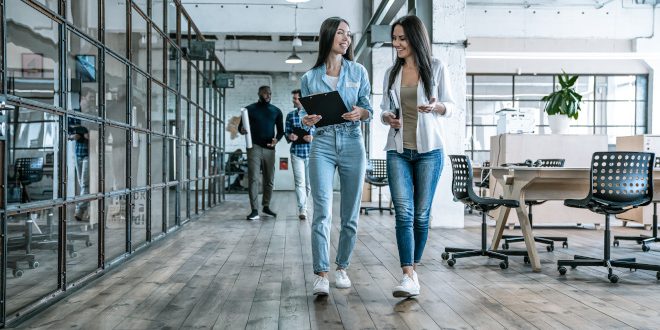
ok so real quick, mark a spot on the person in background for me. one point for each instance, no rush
(338, 147)
(264, 119)
(300, 146)
(80, 135)
(414, 142)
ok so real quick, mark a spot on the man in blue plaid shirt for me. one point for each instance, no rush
(300, 140)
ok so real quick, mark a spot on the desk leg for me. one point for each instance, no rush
(528, 235)
(503, 215)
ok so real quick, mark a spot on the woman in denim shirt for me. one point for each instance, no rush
(336, 147)
(416, 99)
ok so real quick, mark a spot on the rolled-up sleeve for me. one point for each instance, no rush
(445, 91)
(385, 102)
(364, 93)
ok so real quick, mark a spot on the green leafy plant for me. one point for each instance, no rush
(565, 101)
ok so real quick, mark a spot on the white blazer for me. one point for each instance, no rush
(429, 125)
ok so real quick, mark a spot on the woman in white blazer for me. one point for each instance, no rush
(416, 99)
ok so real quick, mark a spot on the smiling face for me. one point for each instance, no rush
(401, 44)
(343, 39)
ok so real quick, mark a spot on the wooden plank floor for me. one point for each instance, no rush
(224, 272)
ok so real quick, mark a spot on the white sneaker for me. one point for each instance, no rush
(407, 288)
(341, 279)
(321, 285)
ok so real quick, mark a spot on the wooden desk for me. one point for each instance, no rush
(542, 183)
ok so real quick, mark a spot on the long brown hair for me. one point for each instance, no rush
(418, 39)
(327, 38)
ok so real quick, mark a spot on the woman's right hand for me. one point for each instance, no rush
(391, 120)
(311, 120)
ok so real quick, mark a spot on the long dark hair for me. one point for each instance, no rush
(418, 41)
(327, 38)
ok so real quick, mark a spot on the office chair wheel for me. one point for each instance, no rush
(646, 248)
(615, 243)
(451, 262)
(504, 264)
(573, 266)
(613, 278)
(73, 254)
(505, 246)
(444, 255)
(88, 243)
(17, 273)
(391, 212)
(562, 270)
(564, 245)
(366, 212)
(526, 260)
(550, 248)
(33, 264)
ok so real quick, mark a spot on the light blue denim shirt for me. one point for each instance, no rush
(353, 85)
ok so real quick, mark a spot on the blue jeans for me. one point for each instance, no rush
(341, 148)
(301, 180)
(413, 178)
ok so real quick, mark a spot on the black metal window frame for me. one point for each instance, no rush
(208, 139)
(470, 102)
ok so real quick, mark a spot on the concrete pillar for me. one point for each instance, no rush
(448, 35)
(650, 45)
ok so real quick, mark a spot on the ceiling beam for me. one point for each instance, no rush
(384, 15)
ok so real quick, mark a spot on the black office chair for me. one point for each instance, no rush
(27, 171)
(377, 176)
(620, 181)
(548, 240)
(463, 192)
(644, 239)
(483, 184)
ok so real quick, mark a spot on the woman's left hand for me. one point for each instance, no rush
(431, 107)
(354, 115)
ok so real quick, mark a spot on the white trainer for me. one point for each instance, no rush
(407, 288)
(321, 285)
(341, 279)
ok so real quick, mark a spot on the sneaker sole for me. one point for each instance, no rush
(404, 294)
(320, 293)
(342, 286)
(254, 218)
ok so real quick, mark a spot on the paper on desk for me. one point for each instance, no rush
(246, 125)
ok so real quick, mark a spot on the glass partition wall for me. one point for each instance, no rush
(109, 134)
(615, 105)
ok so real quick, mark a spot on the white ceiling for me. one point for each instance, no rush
(240, 27)
(249, 32)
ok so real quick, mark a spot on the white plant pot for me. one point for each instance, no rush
(559, 124)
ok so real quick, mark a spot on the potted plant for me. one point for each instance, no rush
(562, 105)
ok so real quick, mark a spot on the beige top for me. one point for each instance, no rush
(409, 116)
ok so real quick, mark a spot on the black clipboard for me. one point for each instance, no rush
(329, 105)
(300, 132)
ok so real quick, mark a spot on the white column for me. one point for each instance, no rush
(449, 29)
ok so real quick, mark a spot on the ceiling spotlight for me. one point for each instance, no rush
(293, 58)
(297, 1)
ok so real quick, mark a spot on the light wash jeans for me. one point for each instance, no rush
(342, 148)
(82, 173)
(301, 179)
(413, 178)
